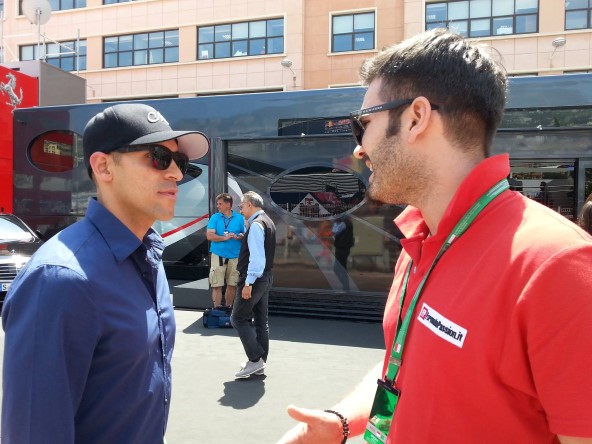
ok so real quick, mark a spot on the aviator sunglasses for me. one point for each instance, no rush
(357, 126)
(161, 156)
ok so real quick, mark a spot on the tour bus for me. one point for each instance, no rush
(295, 149)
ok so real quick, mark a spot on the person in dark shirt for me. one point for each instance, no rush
(343, 241)
(585, 217)
(255, 262)
(89, 321)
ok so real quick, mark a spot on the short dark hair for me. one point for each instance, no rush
(467, 84)
(224, 197)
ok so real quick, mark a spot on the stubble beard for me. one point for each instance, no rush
(399, 174)
(163, 214)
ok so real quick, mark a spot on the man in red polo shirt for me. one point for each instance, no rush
(487, 325)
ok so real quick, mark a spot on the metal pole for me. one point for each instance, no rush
(38, 21)
(77, 49)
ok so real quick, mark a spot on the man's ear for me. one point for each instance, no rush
(101, 166)
(419, 120)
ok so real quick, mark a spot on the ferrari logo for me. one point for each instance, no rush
(8, 89)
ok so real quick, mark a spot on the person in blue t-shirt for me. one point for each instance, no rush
(225, 231)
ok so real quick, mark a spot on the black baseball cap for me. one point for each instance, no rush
(131, 124)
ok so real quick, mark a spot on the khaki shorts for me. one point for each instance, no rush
(225, 273)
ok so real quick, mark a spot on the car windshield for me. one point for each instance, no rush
(12, 230)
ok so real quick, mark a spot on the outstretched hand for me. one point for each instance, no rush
(315, 427)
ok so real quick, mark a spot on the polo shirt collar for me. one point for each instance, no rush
(486, 174)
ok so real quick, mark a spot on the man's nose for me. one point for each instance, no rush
(359, 152)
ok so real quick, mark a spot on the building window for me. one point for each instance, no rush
(112, 2)
(141, 49)
(352, 32)
(483, 18)
(578, 14)
(240, 39)
(60, 5)
(61, 55)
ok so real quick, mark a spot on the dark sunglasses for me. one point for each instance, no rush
(357, 126)
(161, 156)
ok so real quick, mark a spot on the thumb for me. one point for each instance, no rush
(303, 415)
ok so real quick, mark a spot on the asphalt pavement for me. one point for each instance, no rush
(312, 363)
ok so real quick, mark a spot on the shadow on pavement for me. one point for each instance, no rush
(315, 331)
(243, 393)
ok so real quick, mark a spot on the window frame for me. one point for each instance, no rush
(251, 43)
(130, 54)
(354, 32)
(62, 58)
(588, 11)
(521, 19)
(76, 4)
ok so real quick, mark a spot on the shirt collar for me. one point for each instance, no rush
(254, 215)
(119, 238)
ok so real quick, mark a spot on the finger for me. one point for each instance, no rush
(304, 415)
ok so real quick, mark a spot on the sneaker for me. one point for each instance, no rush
(250, 368)
(258, 372)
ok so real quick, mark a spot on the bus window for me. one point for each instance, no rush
(310, 185)
(54, 151)
(550, 182)
(317, 192)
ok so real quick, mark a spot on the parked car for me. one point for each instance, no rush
(18, 242)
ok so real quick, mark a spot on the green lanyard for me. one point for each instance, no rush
(402, 328)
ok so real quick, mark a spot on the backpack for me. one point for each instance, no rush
(218, 317)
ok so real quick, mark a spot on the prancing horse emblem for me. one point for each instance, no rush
(8, 88)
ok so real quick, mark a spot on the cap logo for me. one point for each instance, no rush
(155, 116)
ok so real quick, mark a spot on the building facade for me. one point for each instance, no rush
(184, 48)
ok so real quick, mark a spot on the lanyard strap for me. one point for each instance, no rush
(224, 221)
(462, 226)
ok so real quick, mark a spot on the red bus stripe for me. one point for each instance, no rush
(182, 227)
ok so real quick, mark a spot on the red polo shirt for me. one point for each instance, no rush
(500, 345)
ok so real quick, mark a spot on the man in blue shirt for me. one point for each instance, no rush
(224, 231)
(255, 262)
(89, 322)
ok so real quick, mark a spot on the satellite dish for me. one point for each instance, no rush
(37, 11)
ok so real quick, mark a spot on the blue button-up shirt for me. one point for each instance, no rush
(256, 242)
(90, 331)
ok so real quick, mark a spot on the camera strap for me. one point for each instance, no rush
(379, 424)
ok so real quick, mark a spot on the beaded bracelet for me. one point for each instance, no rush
(344, 424)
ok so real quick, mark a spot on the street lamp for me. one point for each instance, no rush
(557, 43)
(287, 63)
